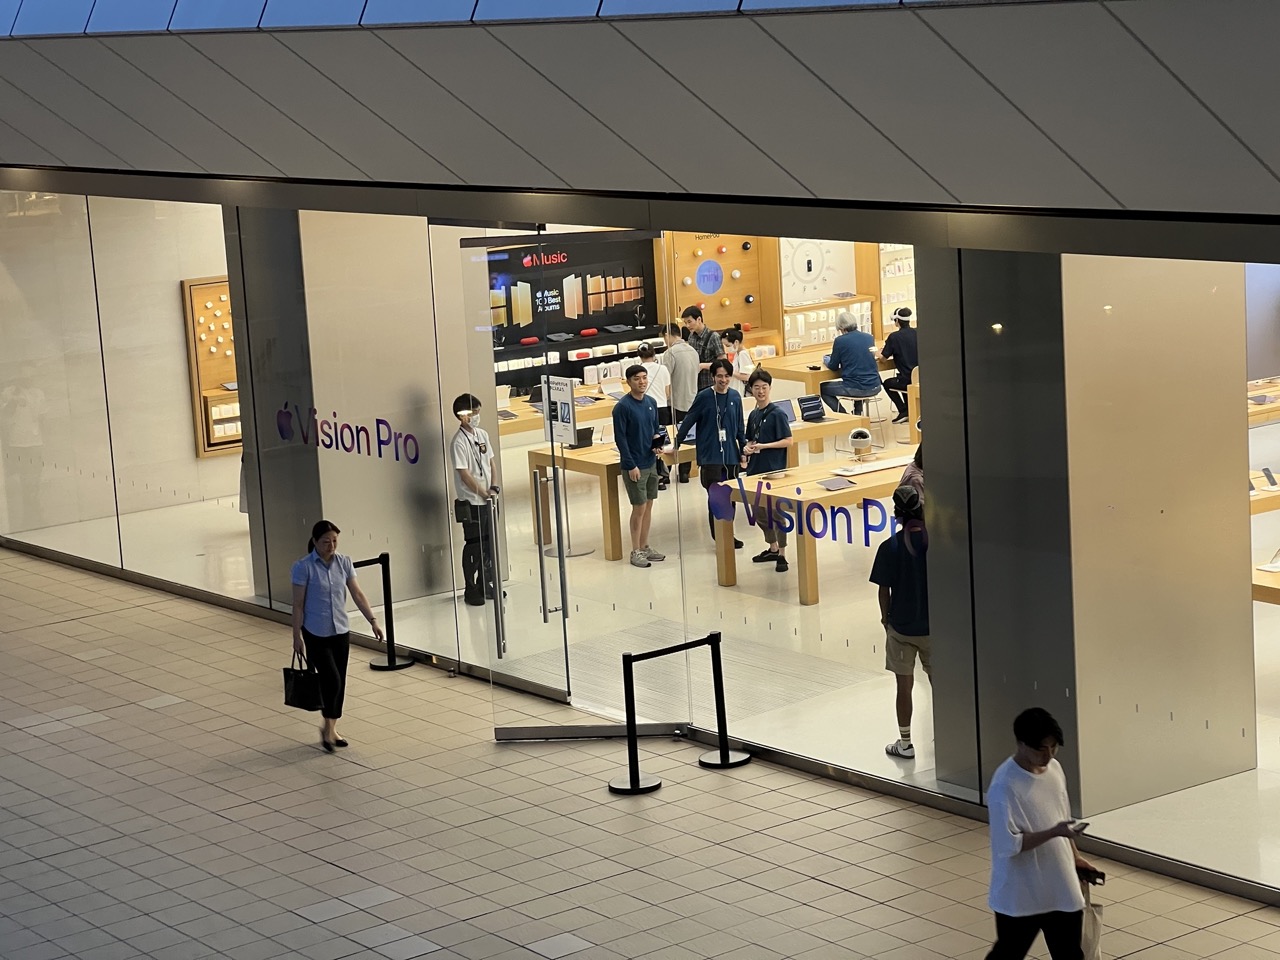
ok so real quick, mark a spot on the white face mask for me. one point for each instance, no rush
(474, 419)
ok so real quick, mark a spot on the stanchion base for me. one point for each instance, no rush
(623, 785)
(572, 552)
(382, 664)
(712, 759)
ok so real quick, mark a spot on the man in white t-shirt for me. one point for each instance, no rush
(1034, 884)
(475, 486)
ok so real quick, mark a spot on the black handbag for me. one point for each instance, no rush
(301, 686)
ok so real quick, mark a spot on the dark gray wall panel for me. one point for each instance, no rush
(77, 104)
(312, 100)
(1079, 75)
(938, 109)
(51, 132)
(16, 148)
(1225, 52)
(733, 66)
(110, 76)
(526, 107)
(197, 80)
(378, 76)
(583, 57)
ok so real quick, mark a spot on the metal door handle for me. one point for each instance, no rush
(499, 614)
(536, 487)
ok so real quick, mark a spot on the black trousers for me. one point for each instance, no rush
(896, 387)
(477, 554)
(327, 656)
(1062, 932)
(711, 473)
(686, 467)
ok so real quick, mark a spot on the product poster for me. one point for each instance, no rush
(561, 414)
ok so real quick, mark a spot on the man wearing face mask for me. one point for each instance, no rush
(475, 483)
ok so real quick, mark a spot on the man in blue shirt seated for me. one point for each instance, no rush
(716, 412)
(768, 437)
(852, 357)
(635, 431)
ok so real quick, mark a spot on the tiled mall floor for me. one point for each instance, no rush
(158, 801)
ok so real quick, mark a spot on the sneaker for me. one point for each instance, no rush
(766, 556)
(900, 418)
(783, 566)
(638, 559)
(652, 554)
(896, 749)
(738, 544)
(662, 484)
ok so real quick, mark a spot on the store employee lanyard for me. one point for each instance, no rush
(478, 449)
(720, 431)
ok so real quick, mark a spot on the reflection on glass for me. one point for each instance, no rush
(378, 12)
(217, 14)
(624, 8)
(57, 473)
(53, 17)
(312, 13)
(131, 16)
(549, 10)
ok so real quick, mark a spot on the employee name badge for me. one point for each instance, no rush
(724, 436)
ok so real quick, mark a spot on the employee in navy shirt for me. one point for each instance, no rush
(321, 580)
(900, 347)
(852, 357)
(635, 431)
(720, 437)
(768, 437)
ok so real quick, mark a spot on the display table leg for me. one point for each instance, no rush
(726, 556)
(609, 519)
(818, 446)
(806, 549)
(793, 455)
(913, 411)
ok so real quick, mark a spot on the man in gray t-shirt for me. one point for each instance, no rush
(681, 360)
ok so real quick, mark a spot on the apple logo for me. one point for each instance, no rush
(284, 422)
(721, 502)
(528, 260)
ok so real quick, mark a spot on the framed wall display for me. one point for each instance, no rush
(211, 346)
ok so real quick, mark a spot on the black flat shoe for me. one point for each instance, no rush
(340, 743)
(328, 747)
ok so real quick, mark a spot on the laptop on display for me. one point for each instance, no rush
(584, 438)
(812, 409)
(787, 407)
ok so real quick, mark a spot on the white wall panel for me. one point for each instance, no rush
(461, 139)
(133, 93)
(1076, 72)
(224, 99)
(522, 104)
(941, 112)
(1223, 50)
(589, 59)
(762, 90)
(76, 103)
(313, 101)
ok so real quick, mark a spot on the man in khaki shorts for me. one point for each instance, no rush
(899, 570)
(635, 430)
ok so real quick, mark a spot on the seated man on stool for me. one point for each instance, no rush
(852, 357)
(900, 347)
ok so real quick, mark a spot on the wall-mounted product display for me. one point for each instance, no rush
(822, 279)
(898, 275)
(734, 279)
(215, 401)
(562, 301)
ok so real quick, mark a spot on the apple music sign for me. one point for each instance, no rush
(384, 442)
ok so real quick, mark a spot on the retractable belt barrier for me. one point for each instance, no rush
(637, 782)
(383, 560)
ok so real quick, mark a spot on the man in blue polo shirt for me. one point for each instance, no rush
(721, 439)
(635, 431)
(851, 356)
(768, 437)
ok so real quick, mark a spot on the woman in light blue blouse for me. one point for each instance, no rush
(321, 580)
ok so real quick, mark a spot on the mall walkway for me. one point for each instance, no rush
(159, 801)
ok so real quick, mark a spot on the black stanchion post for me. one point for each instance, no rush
(724, 757)
(634, 782)
(389, 628)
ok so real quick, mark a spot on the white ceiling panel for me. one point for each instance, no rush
(53, 134)
(193, 78)
(206, 145)
(473, 150)
(301, 92)
(937, 109)
(527, 108)
(1093, 89)
(1226, 52)
(77, 104)
(17, 149)
(590, 60)
(747, 78)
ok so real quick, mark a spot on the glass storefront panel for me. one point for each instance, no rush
(57, 467)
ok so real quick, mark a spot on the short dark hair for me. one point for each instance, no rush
(733, 334)
(721, 364)
(694, 312)
(673, 330)
(1034, 726)
(634, 369)
(759, 375)
(465, 402)
(903, 316)
(319, 530)
(645, 351)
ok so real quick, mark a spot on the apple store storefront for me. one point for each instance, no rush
(188, 385)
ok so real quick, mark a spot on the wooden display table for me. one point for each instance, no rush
(913, 406)
(1266, 586)
(803, 549)
(527, 418)
(1266, 499)
(795, 367)
(1260, 413)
